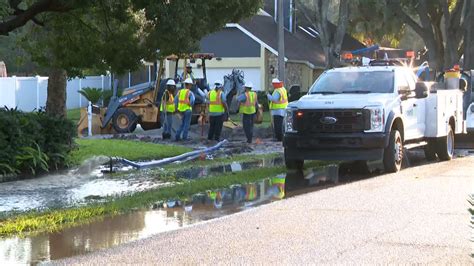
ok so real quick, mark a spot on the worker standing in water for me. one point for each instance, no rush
(184, 103)
(248, 108)
(217, 109)
(168, 108)
(278, 103)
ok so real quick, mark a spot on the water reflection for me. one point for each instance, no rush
(87, 182)
(166, 216)
(199, 172)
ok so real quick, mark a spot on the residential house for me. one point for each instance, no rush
(252, 46)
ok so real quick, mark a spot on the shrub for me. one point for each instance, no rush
(33, 142)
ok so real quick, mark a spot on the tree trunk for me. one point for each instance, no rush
(56, 99)
(469, 39)
(340, 32)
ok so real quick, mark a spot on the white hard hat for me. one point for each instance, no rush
(275, 80)
(188, 81)
(248, 84)
(218, 84)
(171, 82)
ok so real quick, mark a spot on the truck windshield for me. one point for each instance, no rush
(354, 82)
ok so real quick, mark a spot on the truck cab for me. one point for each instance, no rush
(371, 113)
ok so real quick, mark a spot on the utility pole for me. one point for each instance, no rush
(281, 42)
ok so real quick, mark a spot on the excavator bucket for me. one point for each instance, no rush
(97, 118)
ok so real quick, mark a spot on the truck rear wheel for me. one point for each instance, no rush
(430, 151)
(124, 121)
(393, 154)
(445, 146)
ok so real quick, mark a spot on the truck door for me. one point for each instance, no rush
(407, 108)
(419, 106)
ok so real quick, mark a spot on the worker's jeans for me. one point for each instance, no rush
(167, 120)
(185, 123)
(278, 127)
(215, 127)
(247, 122)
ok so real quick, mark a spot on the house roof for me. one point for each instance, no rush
(303, 45)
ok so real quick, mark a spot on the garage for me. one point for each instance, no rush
(252, 74)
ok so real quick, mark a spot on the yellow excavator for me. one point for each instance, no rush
(141, 105)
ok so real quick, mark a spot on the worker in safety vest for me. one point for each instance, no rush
(248, 108)
(184, 102)
(217, 109)
(188, 72)
(278, 102)
(167, 108)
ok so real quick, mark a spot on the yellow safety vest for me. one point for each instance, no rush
(183, 100)
(282, 103)
(215, 105)
(248, 107)
(168, 105)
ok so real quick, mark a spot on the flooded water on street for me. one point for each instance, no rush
(165, 216)
(88, 182)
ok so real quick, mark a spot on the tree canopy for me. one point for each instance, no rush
(116, 35)
(442, 24)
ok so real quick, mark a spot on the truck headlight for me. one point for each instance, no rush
(289, 120)
(377, 119)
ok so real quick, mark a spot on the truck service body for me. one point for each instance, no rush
(372, 113)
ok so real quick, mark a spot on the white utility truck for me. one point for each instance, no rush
(371, 113)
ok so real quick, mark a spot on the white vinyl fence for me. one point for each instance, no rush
(29, 93)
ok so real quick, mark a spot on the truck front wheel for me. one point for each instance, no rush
(393, 154)
(445, 146)
(293, 164)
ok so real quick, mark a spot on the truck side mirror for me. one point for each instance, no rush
(404, 91)
(421, 90)
(462, 85)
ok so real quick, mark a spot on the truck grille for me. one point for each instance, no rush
(334, 121)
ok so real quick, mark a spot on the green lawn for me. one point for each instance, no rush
(74, 115)
(132, 150)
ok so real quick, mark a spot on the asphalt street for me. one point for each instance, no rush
(416, 216)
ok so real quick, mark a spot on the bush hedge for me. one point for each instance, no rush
(33, 142)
